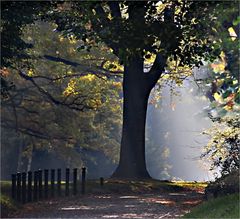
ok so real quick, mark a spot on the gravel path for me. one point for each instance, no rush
(167, 205)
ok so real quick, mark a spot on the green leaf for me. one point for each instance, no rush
(237, 21)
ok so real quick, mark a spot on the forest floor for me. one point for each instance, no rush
(119, 200)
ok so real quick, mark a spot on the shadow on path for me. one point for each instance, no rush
(152, 205)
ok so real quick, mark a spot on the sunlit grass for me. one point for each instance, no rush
(189, 184)
(222, 207)
(7, 202)
(123, 186)
(7, 205)
(5, 187)
(115, 185)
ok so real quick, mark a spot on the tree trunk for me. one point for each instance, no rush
(132, 164)
(20, 155)
(29, 164)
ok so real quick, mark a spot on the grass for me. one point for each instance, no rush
(7, 202)
(122, 186)
(188, 184)
(143, 186)
(6, 187)
(7, 205)
(222, 207)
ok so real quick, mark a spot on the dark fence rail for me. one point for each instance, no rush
(34, 186)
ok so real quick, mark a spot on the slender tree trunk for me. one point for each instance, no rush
(20, 150)
(132, 162)
(29, 164)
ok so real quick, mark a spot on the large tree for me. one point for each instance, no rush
(134, 31)
(168, 31)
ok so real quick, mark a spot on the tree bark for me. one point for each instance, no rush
(20, 155)
(29, 164)
(137, 86)
(132, 162)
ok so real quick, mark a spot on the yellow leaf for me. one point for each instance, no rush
(61, 39)
(70, 89)
(220, 67)
(117, 84)
(88, 77)
(218, 97)
(30, 72)
(235, 82)
(232, 33)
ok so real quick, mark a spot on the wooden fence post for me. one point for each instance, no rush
(74, 181)
(46, 183)
(24, 187)
(67, 182)
(101, 181)
(29, 190)
(52, 182)
(83, 179)
(35, 186)
(59, 181)
(18, 186)
(40, 184)
(14, 185)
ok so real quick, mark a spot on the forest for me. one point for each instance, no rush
(143, 95)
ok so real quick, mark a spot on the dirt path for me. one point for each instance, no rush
(167, 205)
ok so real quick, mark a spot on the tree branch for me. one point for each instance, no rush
(137, 11)
(75, 106)
(57, 59)
(102, 23)
(35, 133)
(156, 70)
(27, 131)
(115, 9)
(102, 71)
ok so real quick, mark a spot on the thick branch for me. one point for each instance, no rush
(101, 13)
(115, 9)
(137, 12)
(157, 69)
(58, 59)
(169, 13)
(100, 69)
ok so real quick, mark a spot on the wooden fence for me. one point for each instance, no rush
(43, 184)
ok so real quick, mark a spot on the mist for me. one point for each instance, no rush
(174, 140)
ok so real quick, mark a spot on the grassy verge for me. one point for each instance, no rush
(5, 187)
(7, 204)
(222, 207)
(122, 186)
(133, 186)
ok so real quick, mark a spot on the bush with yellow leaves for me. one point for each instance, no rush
(223, 147)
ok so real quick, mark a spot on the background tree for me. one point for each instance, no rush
(56, 108)
(224, 94)
(223, 147)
